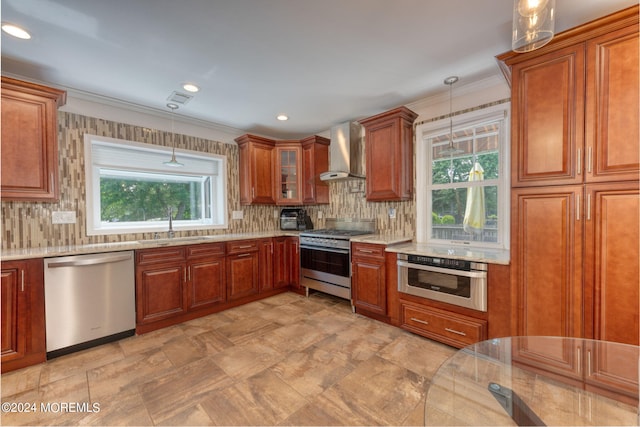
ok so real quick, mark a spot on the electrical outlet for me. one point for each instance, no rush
(319, 214)
(392, 213)
(237, 215)
(276, 215)
(63, 217)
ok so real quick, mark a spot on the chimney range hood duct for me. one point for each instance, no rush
(347, 142)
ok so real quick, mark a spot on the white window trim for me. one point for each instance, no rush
(423, 153)
(92, 200)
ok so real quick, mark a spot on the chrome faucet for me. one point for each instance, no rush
(170, 233)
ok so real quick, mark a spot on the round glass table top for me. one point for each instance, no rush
(537, 381)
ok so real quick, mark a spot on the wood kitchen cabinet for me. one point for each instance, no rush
(315, 160)
(574, 220)
(266, 264)
(242, 269)
(30, 141)
(389, 155)
(368, 278)
(22, 321)
(161, 278)
(293, 259)
(286, 272)
(288, 176)
(206, 275)
(256, 167)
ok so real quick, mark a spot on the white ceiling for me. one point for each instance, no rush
(322, 62)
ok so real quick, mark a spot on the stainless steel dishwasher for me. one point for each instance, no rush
(89, 300)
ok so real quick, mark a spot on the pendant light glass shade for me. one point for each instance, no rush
(173, 162)
(533, 24)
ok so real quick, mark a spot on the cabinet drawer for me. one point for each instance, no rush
(205, 250)
(242, 246)
(367, 250)
(451, 328)
(150, 256)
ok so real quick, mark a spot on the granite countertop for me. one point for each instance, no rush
(52, 251)
(381, 239)
(490, 256)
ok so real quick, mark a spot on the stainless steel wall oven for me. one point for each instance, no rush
(454, 281)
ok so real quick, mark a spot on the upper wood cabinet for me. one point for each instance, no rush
(30, 141)
(575, 105)
(315, 160)
(389, 153)
(611, 138)
(283, 172)
(288, 174)
(256, 169)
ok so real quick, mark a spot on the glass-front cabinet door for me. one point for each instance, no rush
(288, 176)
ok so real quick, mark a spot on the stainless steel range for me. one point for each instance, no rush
(325, 255)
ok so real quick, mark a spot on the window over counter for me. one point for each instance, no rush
(131, 190)
(463, 194)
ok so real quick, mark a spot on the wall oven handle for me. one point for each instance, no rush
(473, 274)
(323, 249)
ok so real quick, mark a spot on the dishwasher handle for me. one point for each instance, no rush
(99, 259)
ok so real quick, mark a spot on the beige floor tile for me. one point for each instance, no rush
(311, 415)
(114, 378)
(204, 324)
(245, 329)
(246, 310)
(78, 363)
(192, 416)
(357, 343)
(348, 411)
(313, 370)
(122, 408)
(151, 340)
(184, 350)
(22, 380)
(243, 361)
(295, 337)
(213, 342)
(263, 399)
(417, 354)
(386, 390)
(170, 394)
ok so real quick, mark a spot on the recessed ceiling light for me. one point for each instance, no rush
(16, 31)
(189, 87)
(282, 117)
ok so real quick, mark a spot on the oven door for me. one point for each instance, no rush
(326, 268)
(457, 287)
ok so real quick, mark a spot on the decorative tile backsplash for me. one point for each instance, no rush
(28, 224)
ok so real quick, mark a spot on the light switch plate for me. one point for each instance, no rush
(63, 217)
(392, 213)
(319, 214)
(237, 215)
(275, 213)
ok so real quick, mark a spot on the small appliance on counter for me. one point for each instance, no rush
(295, 219)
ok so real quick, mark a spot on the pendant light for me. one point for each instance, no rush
(173, 162)
(533, 24)
(451, 150)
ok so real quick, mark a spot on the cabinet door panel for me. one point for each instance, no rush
(293, 261)
(207, 280)
(13, 328)
(262, 181)
(369, 285)
(548, 118)
(242, 275)
(547, 246)
(160, 292)
(612, 257)
(266, 264)
(612, 138)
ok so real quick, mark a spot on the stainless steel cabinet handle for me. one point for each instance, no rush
(185, 274)
(253, 193)
(579, 360)
(245, 246)
(577, 207)
(579, 162)
(589, 363)
(424, 322)
(22, 281)
(588, 207)
(589, 158)
(366, 251)
(189, 274)
(243, 255)
(453, 331)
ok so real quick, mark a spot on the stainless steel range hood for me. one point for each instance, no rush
(347, 143)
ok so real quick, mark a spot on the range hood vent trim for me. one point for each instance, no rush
(345, 153)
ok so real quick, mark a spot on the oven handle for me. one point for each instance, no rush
(473, 274)
(323, 249)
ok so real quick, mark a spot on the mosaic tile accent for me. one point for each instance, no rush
(28, 224)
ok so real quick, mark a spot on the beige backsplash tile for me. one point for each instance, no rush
(28, 224)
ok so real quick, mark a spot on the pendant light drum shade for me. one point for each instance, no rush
(533, 24)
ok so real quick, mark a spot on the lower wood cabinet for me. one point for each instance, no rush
(242, 269)
(22, 321)
(266, 255)
(206, 275)
(448, 327)
(368, 278)
(286, 271)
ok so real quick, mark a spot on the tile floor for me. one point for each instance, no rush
(285, 360)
